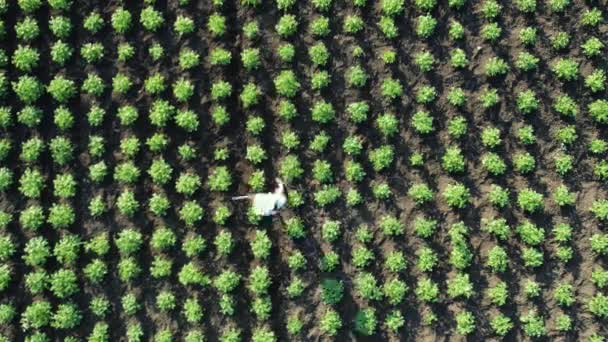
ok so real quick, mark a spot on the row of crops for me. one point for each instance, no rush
(445, 166)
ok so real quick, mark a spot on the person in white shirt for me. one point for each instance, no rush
(269, 203)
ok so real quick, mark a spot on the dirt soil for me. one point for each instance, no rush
(400, 176)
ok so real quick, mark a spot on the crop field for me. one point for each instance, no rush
(444, 160)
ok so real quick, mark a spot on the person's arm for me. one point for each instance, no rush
(280, 189)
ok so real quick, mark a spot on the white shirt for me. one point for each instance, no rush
(266, 204)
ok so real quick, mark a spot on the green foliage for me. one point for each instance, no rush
(366, 321)
(390, 225)
(36, 252)
(318, 54)
(564, 294)
(423, 227)
(330, 231)
(591, 17)
(220, 179)
(465, 322)
(183, 25)
(420, 193)
(456, 195)
(533, 324)
(560, 40)
(187, 183)
(255, 154)
(497, 227)
(422, 122)
(457, 127)
(121, 84)
(530, 201)
(425, 26)
(391, 88)
(188, 58)
(596, 81)
(286, 84)
(457, 97)
(330, 323)
(501, 324)
(332, 291)
(29, 6)
(565, 69)
(126, 173)
(456, 30)
(491, 32)
(31, 183)
(61, 88)
(92, 52)
(366, 286)
(427, 259)
(361, 257)
(64, 283)
(598, 305)
(286, 52)
(251, 29)
(563, 164)
(490, 137)
(563, 197)
(526, 61)
(524, 162)
(6, 178)
(183, 89)
(93, 85)
(491, 9)
(598, 110)
(381, 157)
(28, 89)
(353, 24)
(496, 66)
(319, 27)
(394, 290)
(37, 315)
(452, 160)
(532, 289)
(151, 19)
(530, 233)
(592, 47)
(27, 29)
(527, 36)
(494, 164)
(532, 257)
(497, 259)
(25, 58)
(32, 217)
(125, 52)
(287, 25)
(489, 97)
(426, 290)
(566, 106)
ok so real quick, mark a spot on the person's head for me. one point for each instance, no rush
(281, 201)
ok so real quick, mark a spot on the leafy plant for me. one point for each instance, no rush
(27, 29)
(530, 200)
(456, 195)
(381, 157)
(592, 47)
(453, 160)
(533, 324)
(524, 162)
(526, 61)
(565, 69)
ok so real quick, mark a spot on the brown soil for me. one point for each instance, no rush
(400, 175)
